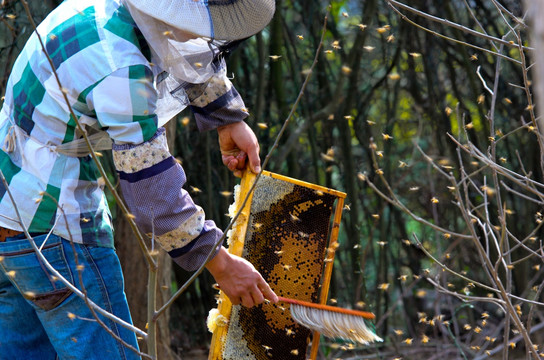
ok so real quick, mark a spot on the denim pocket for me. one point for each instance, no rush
(30, 275)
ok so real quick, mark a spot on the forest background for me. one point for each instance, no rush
(424, 113)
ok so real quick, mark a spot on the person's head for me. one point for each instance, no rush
(213, 19)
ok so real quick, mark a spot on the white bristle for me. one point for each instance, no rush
(334, 325)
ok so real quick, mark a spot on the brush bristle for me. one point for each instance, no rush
(334, 325)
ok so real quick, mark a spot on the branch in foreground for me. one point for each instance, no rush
(250, 191)
(68, 284)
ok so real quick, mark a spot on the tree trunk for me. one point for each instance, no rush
(535, 10)
(135, 270)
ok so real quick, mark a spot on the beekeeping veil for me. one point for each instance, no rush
(194, 57)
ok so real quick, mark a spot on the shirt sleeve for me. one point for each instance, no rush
(216, 103)
(150, 179)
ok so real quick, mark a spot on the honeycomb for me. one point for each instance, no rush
(285, 235)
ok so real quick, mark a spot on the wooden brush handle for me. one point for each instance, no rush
(364, 314)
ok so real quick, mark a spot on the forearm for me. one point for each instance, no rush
(219, 263)
(152, 184)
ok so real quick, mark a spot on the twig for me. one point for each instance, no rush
(81, 282)
(57, 274)
(250, 191)
(107, 182)
(521, 244)
(469, 9)
(397, 203)
(512, 175)
(502, 291)
(151, 305)
(151, 263)
(465, 29)
(405, 18)
(483, 81)
(514, 340)
(446, 268)
(523, 196)
(466, 298)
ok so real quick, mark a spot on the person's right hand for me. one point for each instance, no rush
(237, 143)
(239, 280)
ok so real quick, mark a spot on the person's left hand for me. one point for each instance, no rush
(237, 142)
(239, 280)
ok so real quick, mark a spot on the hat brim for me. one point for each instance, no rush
(217, 19)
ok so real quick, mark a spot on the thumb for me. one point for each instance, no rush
(254, 160)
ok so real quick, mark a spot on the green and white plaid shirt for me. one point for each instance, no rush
(103, 64)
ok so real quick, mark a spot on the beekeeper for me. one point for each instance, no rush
(126, 68)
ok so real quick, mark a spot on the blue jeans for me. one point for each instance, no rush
(40, 318)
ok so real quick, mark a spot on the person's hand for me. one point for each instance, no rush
(239, 280)
(237, 142)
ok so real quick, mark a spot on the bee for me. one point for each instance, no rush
(346, 70)
(394, 76)
(294, 218)
(287, 267)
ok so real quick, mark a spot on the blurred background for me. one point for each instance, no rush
(423, 112)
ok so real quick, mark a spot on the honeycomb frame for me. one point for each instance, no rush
(288, 229)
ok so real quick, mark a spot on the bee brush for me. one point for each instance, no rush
(333, 322)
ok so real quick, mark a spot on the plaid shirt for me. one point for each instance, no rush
(103, 64)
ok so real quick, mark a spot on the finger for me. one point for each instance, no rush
(233, 164)
(237, 173)
(226, 159)
(235, 300)
(247, 300)
(257, 296)
(254, 160)
(229, 161)
(241, 158)
(267, 292)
